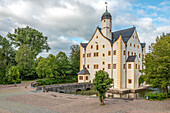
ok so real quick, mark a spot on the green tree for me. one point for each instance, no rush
(75, 59)
(30, 37)
(157, 63)
(64, 67)
(24, 57)
(7, 56)
(101, 84)
(47, 67)
(13, 74)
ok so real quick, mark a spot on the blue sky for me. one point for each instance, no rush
(68, 22)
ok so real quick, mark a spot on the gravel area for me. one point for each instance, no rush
(25, 100)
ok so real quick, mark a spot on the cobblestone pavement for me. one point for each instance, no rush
(25, 100)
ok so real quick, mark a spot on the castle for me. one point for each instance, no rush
(119, 53)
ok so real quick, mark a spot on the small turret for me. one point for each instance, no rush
(106, 21)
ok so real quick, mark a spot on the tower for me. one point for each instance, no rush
(106, 24)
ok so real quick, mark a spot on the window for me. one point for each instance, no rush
(88, 54)
(133, 36)
(96, 66)
(104, 20)
(114, 52)
(139, 56)
(103, 55)
(135, 53)
(91, 46)
(109, 66)
(142, 67)
(83, 55)
(124, 66)
(83, 66)
(129, 81)
(80, 77)
(114, 66)
(87, 77)
(130, 44)
(132, 53)
(109, 53)
(134, 45)
(103, 46)
(128, 53)
(138, 46)
(103, 63)
(139, 66)
(97, 47)
(110, 30)
(129, 66)
(124, 52)
(96, 54)
(97, 37)
(103, 69)
(136, 66)
(87, 66)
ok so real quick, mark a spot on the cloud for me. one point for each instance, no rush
(68, 22)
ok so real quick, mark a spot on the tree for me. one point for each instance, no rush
(157, 63)
(7, 56)
(13, 74)
(30, 37)
(24, 57)
(64, 67)
(75, 59)
(47, 67)
(101, 84)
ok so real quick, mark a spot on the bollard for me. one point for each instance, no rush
(128, 95)
(136, 96)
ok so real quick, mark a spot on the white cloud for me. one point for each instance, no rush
(64, 20)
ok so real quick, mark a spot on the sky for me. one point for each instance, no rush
(70, 22)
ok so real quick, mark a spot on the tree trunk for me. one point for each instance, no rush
(102, 100)
(167, 91)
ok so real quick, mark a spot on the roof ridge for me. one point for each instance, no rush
(123, 29)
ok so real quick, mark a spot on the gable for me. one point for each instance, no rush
(98, 30)
(126, 34)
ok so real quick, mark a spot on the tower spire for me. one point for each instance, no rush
(106, 5)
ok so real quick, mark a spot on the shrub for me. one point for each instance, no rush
(156, 96)
(49, 81)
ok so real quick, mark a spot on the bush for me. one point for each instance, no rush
(156, 96)
(63, 79)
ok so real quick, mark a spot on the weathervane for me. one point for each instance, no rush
(106, 5)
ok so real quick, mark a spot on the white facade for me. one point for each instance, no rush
(113, 52)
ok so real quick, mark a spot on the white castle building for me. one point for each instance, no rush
(119, 53)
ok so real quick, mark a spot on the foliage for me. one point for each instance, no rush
(156, 96)
(101, 84)
(49, 81)
(27, 73)
(13, 74)
(75, 59)
(141, 79)
(64, 67)
(157, 63)
(24, 57)
(7, 57)
(47, 67)
(30, 37)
